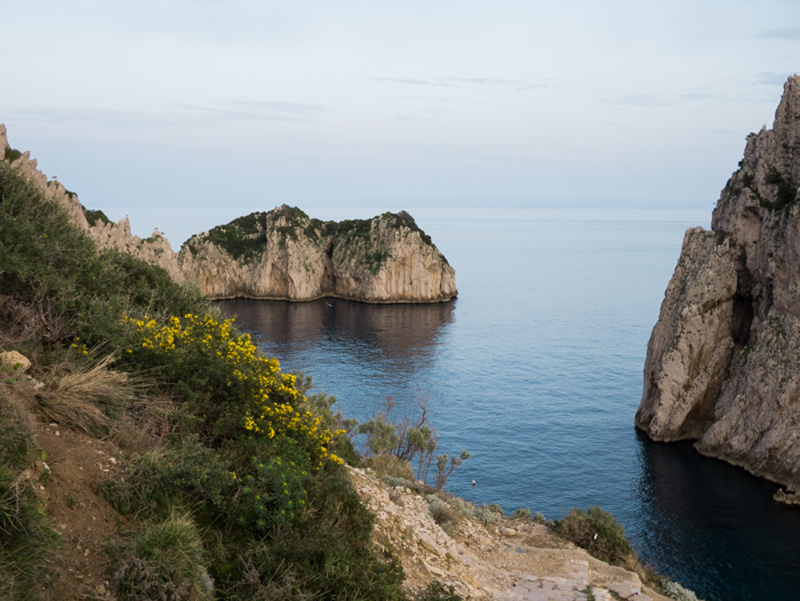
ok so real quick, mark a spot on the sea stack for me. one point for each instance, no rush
(723, 360)
(284, 254)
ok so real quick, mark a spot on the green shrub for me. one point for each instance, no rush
(274, 490)
(93, 217)
(27, 543)
(183, 472)
(11, 154)
(409, 440)
(229, 386)
(17, 437)
(389, 465)
(521, 513)
(327, 548)
(436, 591)
(462, 507)
(443, 514)
(677, 591)
(597, 531)
(487, 515)
(163, 560)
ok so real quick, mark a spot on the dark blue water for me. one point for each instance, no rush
(536, 369)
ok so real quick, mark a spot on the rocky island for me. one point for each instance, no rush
(723, 360)
(283, 254)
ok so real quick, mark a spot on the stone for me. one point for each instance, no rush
(13, 361)
(723, 360)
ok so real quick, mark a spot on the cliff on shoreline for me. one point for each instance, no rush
(285, 255)
(723, 360)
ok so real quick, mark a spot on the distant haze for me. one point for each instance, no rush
(186, 114)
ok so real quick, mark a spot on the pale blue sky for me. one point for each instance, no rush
(186, 114)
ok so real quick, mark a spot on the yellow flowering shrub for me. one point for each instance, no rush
(232, 386)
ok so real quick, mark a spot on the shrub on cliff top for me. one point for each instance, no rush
(597, 531)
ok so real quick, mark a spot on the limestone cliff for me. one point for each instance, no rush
(723, 361)
(107, 234)
(284, 254)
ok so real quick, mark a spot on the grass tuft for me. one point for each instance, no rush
(163, 560)
(86, 396)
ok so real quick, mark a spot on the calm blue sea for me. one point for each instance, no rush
(536, 369)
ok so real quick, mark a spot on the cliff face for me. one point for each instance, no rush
(107, 234)
(723, 361)
(284, 254)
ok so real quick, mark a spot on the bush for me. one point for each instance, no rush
(327, 548)
(182, 472)
(17, 435)
(228, 384)
(274, 490)
(389, 465)
(677, 591)
(521, 513)
(409, 441)
(443, 514)
(163, 560)
(436, 591)
(26, 542)
(597, 531)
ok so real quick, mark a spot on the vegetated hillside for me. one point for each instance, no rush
(149, 451)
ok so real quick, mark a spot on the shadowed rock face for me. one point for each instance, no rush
(286, 255)
(723, 361)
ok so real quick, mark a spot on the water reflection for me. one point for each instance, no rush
(397, 332)
(695, 509)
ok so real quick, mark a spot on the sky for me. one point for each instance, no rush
(186, 114)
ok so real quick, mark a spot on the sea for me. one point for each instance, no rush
(536, 370)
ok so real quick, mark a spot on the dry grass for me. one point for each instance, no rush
(86, 396)
(147, 423)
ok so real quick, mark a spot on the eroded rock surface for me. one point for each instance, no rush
(513, 560)
(723, 361)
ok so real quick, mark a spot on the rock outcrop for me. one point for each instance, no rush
(723, 361)
(514, 559)
(285, 255)
(155, 249)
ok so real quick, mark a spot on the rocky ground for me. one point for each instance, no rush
(512, 560)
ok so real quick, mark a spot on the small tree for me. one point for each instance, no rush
(408, 441)
(443, 472)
